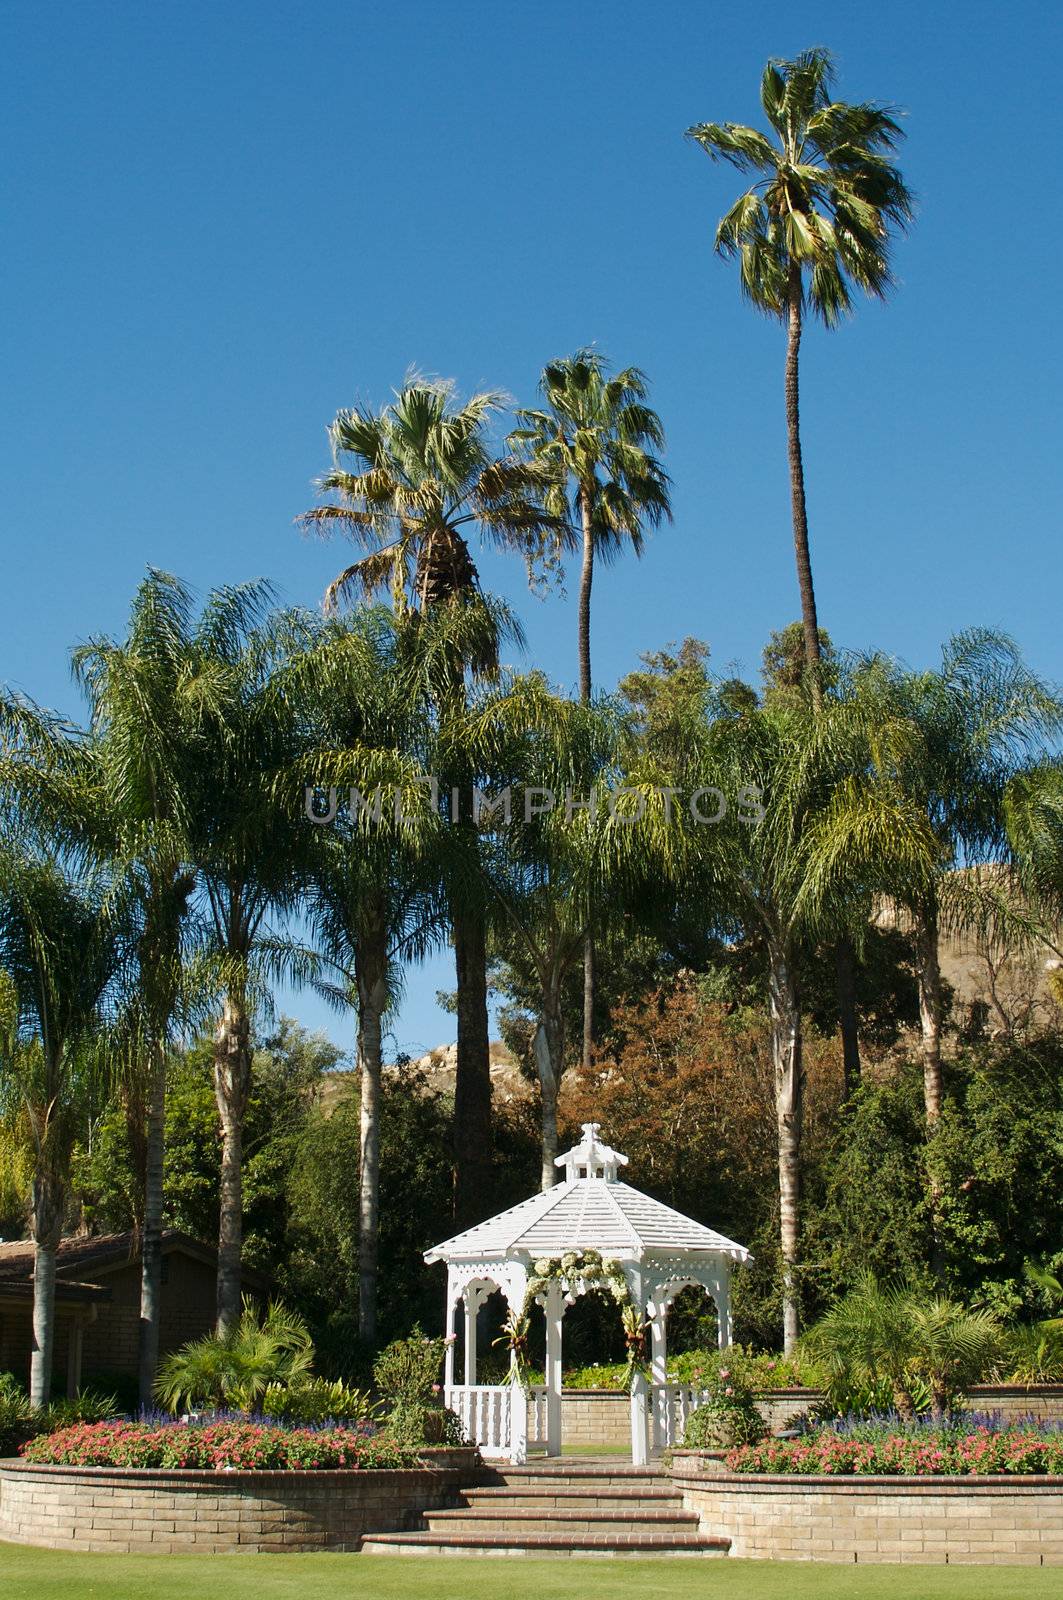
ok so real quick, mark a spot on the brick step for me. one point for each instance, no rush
(666, 1543)
(511, 1519)
(582, 1477)
(559, 1494)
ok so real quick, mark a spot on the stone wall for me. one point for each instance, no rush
(1044, 1401)
(603, 1416)
(959, 1521)
(126, 1509)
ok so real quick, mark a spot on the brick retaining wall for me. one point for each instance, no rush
(602, 1416)
(959, 1521)
(130, 1509)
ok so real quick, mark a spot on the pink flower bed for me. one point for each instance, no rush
(945, 1453)
(214, 1447)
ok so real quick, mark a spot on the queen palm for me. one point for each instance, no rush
(794, 782)
(950, 742)
(408, 483)
(595, 440)
(374, 875)
(63, 944)
(548, 859)
(133, 794)
(813, 228)
(249, 852)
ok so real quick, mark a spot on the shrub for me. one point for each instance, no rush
(912, 1452)
(316, 1400)
(235, 1369)
(215, 1446)
(892, 1334)
(20, 1422)
(1034, 1354)
(413, 1423)
(726, 1415)
(16, 1416)
(408, 1370)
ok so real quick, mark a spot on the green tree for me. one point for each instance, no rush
(375, 879)
(813, 227)
(595, 440)
(134, 802)
(63, 944)
(407, 484)
(249, 852)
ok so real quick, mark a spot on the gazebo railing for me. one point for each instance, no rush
(504, 1420)
(537, 1429)
(671, 1406)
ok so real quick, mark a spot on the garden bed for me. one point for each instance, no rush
(126, 1509)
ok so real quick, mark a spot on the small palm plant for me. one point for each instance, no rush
(895, 1335)
(234, 1368)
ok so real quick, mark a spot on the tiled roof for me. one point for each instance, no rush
(82, 1257)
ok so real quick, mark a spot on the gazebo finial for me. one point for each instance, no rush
(590, 1159)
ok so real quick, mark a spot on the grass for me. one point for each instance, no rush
(27, 1574)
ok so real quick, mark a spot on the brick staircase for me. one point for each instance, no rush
(569, 1508)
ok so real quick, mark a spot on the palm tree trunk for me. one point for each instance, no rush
(47, 1230)
(151, 1231)
(809, 620)
(232, 1082)
(848, 1022)
(588, 1003)
(549, 1047)
(472, 1087)
(928, 973)
(789, 1096)
(371, 974)
(586, 579)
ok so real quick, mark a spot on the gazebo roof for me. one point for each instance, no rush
(590, 1210)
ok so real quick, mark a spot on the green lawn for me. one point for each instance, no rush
(27, 1574)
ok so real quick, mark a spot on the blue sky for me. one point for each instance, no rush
(223, 222)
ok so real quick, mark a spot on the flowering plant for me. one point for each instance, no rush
(726, 1413)
(950, 1451)
(215, 1446)
(585, 1270)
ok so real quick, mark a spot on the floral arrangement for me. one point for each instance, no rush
(588, 1269)
(927, 1452)
(216, 1447)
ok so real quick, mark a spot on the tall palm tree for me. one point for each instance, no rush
(813, 227)
(546, 863)
(794, 781)
(62, 947)
(374, 877)
(949, 743)
(595, 440)
(248, 849)
(407, 485)
(137, 784)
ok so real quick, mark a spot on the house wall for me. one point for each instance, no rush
(188, 1312)
(109, 1346)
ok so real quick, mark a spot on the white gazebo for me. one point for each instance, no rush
(660, 1252)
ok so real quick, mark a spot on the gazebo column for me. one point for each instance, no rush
(659, 1346)
(554, 1307)
(448, 1356)
(472, 1306)
(723, 1310)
